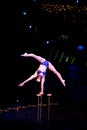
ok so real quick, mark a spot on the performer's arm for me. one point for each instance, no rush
(39, 58)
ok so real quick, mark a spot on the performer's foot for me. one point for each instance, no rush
(64, 83)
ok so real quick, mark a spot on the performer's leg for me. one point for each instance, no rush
(52, 68)
(27, 80)
(32, 77)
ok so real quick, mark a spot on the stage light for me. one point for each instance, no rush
(24, 13)
(61, 57)
(29, 26)
(46, 41)
(77, 1)
(80, 48)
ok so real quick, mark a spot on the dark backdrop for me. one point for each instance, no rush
(15, 69)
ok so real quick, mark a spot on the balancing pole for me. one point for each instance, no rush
(39, 110)
(49, 95)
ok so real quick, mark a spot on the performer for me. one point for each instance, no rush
(40, 73)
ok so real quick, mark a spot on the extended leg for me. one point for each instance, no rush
(30, 78)
(52, 68)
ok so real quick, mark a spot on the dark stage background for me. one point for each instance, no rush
(54, 33)
(56, 30)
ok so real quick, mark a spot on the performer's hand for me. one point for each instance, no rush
(21, 85)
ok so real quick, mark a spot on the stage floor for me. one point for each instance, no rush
(56, 117)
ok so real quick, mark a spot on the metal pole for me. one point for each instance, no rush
(49, 95)
(39, 110)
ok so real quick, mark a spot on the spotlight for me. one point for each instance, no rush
(80, 48)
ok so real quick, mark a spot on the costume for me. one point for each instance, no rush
(46, 63)
(39, 71)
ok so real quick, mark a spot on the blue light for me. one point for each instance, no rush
(80, 47)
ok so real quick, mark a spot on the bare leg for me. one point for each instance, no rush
(39, 58)
(30, 78)
(52, 68)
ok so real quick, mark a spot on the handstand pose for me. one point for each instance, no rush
(41, 71)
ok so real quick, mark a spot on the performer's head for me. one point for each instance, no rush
(39, 77)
